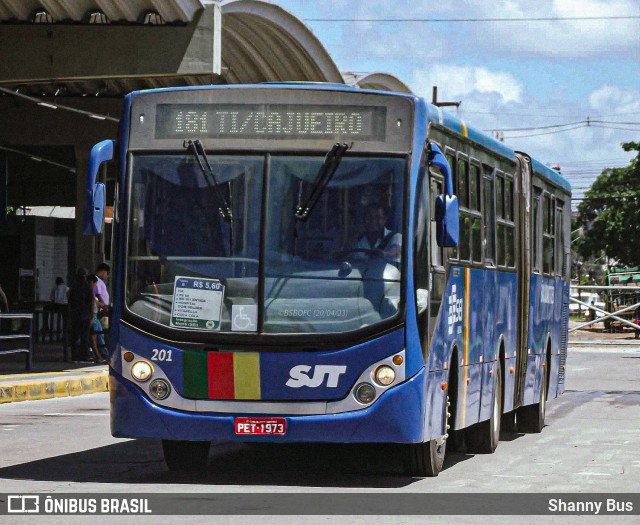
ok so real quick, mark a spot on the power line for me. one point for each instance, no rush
(607, 197)
(577, 126)
(594, 161)
(547, 132)
(455, 20)
(588, 122)
(542, 115)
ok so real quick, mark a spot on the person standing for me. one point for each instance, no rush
(80, 315)
(102, 298)
(59, 292)
(101, 293)
(96, 333)
(59, 303)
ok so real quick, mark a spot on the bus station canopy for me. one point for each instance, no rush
(107, 49)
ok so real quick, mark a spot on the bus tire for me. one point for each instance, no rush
(427, 459)
(531, 417)
(483, 437)
(185, 456)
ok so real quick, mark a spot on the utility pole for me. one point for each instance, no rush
(434, 100)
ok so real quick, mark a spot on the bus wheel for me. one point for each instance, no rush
(427, 459)
(531, 417)
(483, 437)
(185, 456)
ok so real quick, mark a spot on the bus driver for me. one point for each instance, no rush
(377, 240)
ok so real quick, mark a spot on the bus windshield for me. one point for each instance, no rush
(266, 270)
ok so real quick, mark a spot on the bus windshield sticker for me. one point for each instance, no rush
(244, 317)
(197, 303)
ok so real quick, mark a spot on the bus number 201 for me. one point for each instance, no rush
(161, 355)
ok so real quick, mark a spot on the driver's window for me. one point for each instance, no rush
(437, 188)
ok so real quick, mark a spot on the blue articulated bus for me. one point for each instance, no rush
(316, 263)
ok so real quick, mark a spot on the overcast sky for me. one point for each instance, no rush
(508, 74)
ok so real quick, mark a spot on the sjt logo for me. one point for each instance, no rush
(455, 309)
(299, 376)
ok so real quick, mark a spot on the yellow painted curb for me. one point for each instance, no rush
(78, 384)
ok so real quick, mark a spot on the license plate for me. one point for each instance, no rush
(260, 426)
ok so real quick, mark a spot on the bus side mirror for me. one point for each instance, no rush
(446, 205)
(95, 202)
(447, 221)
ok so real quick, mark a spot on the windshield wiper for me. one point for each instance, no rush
(224, 206)
(196, 148)
(324, 176)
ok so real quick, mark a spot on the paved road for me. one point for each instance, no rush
(589, 445)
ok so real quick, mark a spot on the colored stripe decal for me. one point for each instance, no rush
(194, 375)
(465, 342)
(464, 129)
(220, 368)
(246, 375)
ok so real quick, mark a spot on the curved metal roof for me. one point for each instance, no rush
(378, 81)
(263, 42)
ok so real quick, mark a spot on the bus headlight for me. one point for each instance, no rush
(160, 389)
(365, 393)
(141, 371)
(385, 375)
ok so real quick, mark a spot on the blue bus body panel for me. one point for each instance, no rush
(396, 417)
(478, 316)
(545, 328)
(274, 367)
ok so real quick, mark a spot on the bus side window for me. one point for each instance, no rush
(548, 235)
(474, 220)
(489, 216)
(535, 230)
(504, 219)
(559, 230)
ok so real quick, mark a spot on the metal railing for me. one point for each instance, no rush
(606, 315)
(19, 336)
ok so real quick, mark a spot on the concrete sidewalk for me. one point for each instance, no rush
(50, 376)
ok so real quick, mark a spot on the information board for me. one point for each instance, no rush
(197, 303)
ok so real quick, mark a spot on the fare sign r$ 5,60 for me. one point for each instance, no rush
(197, 303)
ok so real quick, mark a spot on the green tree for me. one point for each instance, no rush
(610, 213)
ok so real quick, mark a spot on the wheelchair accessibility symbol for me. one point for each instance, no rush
(244, 318)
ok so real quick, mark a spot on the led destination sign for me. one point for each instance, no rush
(272, 121)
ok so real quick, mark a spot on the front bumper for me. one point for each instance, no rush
(397, 416)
